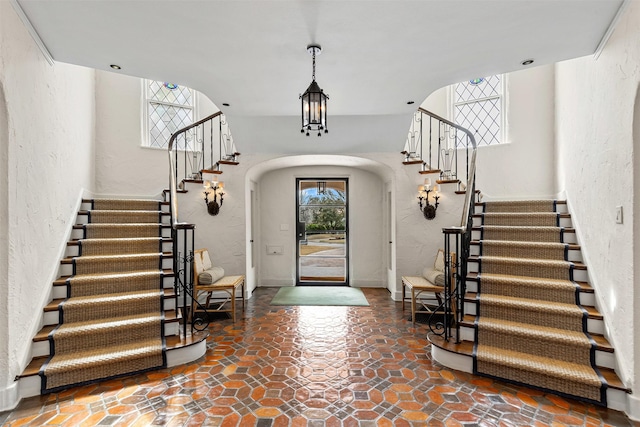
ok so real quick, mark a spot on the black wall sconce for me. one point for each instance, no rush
(428, 209)
(217, 188)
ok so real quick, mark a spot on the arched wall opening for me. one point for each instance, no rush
(270, 212)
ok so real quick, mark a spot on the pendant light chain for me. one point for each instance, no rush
(313, 74)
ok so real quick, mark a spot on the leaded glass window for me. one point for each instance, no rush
(478, 106)
(169, 108)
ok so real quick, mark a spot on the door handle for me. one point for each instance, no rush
(251, 241)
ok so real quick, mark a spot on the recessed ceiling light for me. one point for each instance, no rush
(409, 102)
(527, 62)
(115, 67)
(225, 104)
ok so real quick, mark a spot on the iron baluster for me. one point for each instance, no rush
(430, 137)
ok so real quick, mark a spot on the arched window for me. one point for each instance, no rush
(168, 108)
(478, 105)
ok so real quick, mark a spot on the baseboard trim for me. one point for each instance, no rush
(275, 283)
(633, 403)
(368, 284)
(9, 397)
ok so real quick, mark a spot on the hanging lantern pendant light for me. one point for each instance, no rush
(314, 101)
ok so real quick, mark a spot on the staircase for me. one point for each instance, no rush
(530, 315)
(114, 310)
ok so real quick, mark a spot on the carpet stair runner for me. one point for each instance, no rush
(530, 327)
(112, 322)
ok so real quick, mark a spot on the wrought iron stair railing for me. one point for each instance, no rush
(439, 146)
(446, 135)
(189, 158)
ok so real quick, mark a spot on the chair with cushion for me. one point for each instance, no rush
(426, 291)
(211, 282)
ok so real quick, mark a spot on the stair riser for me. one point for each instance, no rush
(568, 237)
(578, 275)
(586, 298)
(564, 222)
(604, 359)
(595, 326)
(73, 251)
(573, 255)
(79, 234)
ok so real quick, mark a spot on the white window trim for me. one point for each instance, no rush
(503, 108)
(144, 114)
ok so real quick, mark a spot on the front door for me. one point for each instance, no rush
(322, 231)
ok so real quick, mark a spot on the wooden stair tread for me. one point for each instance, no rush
(178, 341)
(465, 192)
(54, 304)
(82, 226)
(178, 190)
(76, 242)
(86, 212)
(558, 202)
(165, 255)
(159, 201)
(463, 347)
(412, 162)
(560, 214)
(429, 171)
(613, 380)
(602, 343)
(228, 162)
(571, 246)
(448, 181)
(62, 280)
(33, 368)
(592, 312)
(564, 229)
(584, 286)
(211, 171)
(170, 316)
(576, 265)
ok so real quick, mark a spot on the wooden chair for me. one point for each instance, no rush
(221, 284)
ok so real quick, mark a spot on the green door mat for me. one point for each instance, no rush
(319, 295)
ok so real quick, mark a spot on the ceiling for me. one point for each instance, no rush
(377, 55)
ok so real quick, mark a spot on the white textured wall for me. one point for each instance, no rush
(123, 166)
(595, 107)
(51, 119)
(523, 166)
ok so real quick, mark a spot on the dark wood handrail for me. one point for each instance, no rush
(173, 187)
(471, 173)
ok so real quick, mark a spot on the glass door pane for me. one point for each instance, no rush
(322, 231)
